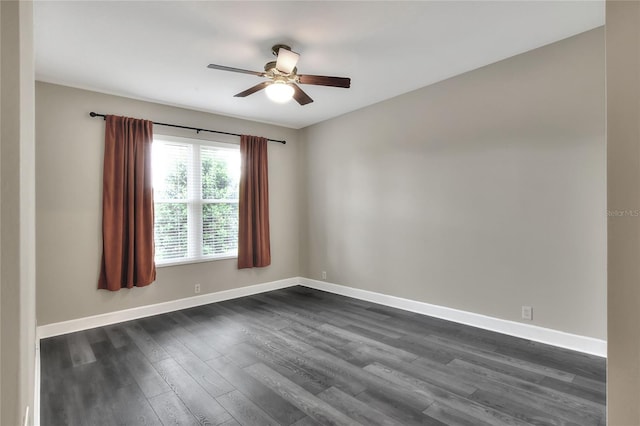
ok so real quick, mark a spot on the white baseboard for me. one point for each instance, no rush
(58, 328)
(526, 331)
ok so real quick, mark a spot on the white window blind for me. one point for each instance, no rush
(196, 200)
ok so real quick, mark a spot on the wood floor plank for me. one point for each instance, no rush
(277, 359)
(396, 408)
(171, 411)
(343, 376)
(270, 402)
(200, 371)
(80, 349)
(145, 375)
(261, 334)
(355, 408)
(584, 365)
(110, 372)
(433, 393)
(588, 393)
(313, 336)
(54, 354)
(181, 318)
(305, 401)
(256, 316)
(597, 385)
(306, 421)
(320, 340)
(243, 354)
(479, 360)
(202, 405)
(244, 411)
(82, 395)
(218, 332)
(58, 402)
(365, 341)
(95, 335)
(321, 376)
(504, 359)
(417, 326)
(416, 345)
(133, 408)
(157, 323)
(284, 340)
(103, 349)
(505, 402)
(428, 371)
(284, 309)
(315, 315)
(200, 347)
(320, 298)
(451, 416)
(117, 335)
(367, 321)
(145, 342)
(88, 405)
(324, 376)
(370, 381)
(492, 380)
(368, 332)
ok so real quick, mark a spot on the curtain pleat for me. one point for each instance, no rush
(254, 249)
(127, 205)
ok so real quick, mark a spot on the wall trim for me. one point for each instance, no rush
(561, 339)
(64, 327)
(36, 386)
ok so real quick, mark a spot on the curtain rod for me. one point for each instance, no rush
(198, 130)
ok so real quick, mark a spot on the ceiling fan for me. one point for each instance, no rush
(283, 78)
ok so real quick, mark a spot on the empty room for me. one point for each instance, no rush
(320, 213)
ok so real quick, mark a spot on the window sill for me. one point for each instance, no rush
(188, 262)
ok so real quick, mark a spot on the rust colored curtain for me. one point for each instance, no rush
(254, 248)
(127, 205)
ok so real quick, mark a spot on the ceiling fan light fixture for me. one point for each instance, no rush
(280, 92)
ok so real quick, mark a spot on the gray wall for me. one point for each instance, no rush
(69, 197)
(483, 193)
(623, 190)
(17, 213)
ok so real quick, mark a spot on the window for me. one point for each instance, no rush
(196, 199)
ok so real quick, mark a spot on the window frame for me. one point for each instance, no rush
(194, 201)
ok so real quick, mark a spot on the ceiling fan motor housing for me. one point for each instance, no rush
(276, 48)
(270, 68)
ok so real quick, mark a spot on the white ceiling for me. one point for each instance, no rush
(159, 51)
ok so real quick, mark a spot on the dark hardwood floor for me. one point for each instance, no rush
(304, 357)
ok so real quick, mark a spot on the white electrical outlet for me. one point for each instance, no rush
(196, 289)
(324, 275)
(527, 313)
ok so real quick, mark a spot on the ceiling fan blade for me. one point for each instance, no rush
(223, 68)
(300, 96)
(322, 80)
(286, 61)
(252, 90)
